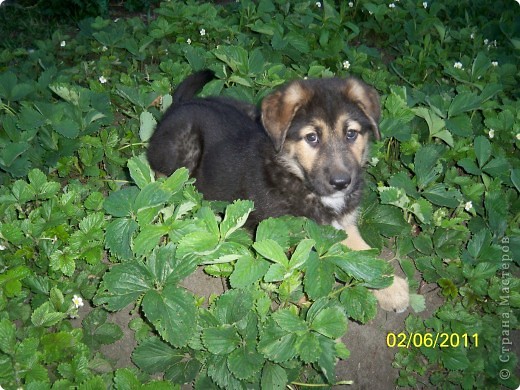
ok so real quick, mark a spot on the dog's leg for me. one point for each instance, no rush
(396, 297)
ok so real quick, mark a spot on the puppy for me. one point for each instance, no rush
(301, 154)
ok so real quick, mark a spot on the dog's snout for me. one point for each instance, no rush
(340, 181)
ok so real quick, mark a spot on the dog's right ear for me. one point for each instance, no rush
(279, 108)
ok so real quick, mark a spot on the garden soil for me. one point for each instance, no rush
(370, 362)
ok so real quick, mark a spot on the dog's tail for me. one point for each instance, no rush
(191, 85)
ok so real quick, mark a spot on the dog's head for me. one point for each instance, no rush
(320, 130)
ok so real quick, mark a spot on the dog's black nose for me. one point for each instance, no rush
(340, 182)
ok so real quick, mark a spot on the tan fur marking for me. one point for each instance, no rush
(278, 110)
(368, 100)
(359, 148)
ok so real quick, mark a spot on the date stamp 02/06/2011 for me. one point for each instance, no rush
(431, 340)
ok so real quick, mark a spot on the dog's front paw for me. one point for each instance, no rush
(396, 297)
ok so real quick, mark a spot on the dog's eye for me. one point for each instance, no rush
(351, 135)
(312, 138)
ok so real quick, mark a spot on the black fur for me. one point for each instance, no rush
(224, 145)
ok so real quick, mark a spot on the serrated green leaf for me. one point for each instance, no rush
(172, 312)
(330, 322)
(200, 243)
(63, 261)
(124, 284)
(308, 347)
(244, 362)
(427, 165)
(46, 316)
(440, 195)
(464, 102)
(319, 277)
(221, 340)
(273, 377)
(276, 344)
(175, 181)
(233, 306)
(271, 250)
(375, 272)
(97, 331)
(236, 217)
(23, 192)
(140, 171)
(359, 303)
(118, 237)
(67, 128)
(482, 148)
(147, 123)
(455, 358)
(121, 203)
(247, 271)
(417, 302)
(289, 321)
(7, 336)
(276, 273)
(423, 210)
(153, 355)
(148, 238)
(301, 254)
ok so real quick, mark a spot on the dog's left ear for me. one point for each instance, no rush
(367, 99)
(279, 108)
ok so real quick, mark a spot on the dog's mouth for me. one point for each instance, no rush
(335, 201)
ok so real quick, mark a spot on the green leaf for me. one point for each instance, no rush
(7, 336)
(200, 243)
(118, 237)
(464, 102)
(427, 165)
(23, 192)
(309, 348)
(482, 148)
(148, 238)
(301, 253)
(277, 344)
(233, 306)
(515, 178)
(175, 182)
(236, 216)
(140, 171)
(97, 331)
(67, 128)
(359, 303)
(121, 203)
(45, 316)
(364, 266)
(124, 284)
(289, 321)
(221, 340)
(455, 358)
(276, 273)
(153, 355)
(319, 277)
(244, 362)
(147, 123)
(271, 250)
(247, 271)
(330, 322)
(273, 377)
(440, 195)
(423, 210)
(417, 302)
(63, 261)
(173, 313)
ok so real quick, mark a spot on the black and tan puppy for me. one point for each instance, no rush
(302, 154)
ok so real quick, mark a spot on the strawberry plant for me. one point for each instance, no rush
(87, 231)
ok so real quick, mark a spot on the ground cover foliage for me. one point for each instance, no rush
(83, 218)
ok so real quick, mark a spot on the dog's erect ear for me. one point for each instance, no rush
(368, 100)
(279, 108)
